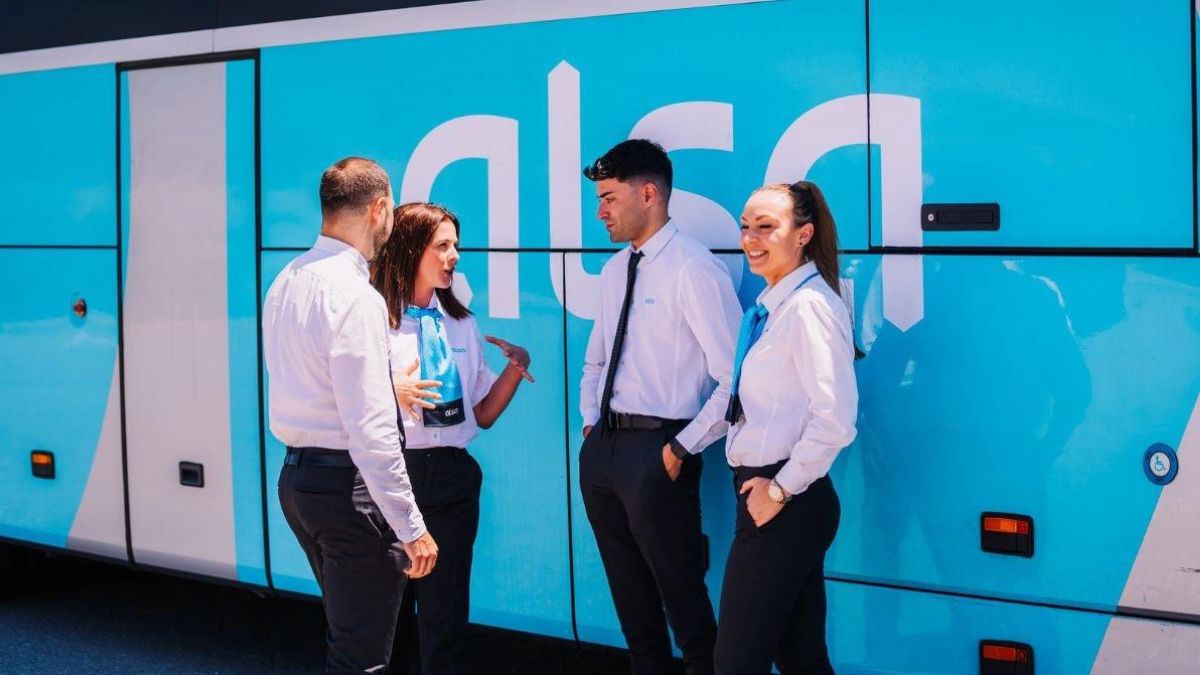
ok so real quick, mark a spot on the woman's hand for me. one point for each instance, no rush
(517, 356)
(411, 394)
(761, 507)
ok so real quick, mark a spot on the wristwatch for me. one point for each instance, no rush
(777, 493)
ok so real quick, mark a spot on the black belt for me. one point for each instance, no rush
(339, 459)
(741, 474)
(634, 422)
(440, 449)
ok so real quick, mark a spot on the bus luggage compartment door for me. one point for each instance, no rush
(190, 336)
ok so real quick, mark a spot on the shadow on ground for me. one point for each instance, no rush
(79, 616)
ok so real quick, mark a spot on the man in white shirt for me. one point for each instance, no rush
(663, 337)
(344, 488)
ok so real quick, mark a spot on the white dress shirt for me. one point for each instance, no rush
(679, 340)
(466, 343)
(797, 386)
(325, 341)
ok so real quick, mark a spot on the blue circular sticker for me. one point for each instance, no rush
(1160, 463)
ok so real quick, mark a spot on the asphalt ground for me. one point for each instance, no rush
(68, 615)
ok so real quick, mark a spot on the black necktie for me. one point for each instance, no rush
(619, 339)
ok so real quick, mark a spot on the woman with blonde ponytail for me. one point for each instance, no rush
(793, 405)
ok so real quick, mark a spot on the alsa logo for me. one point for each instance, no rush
(452, 411)
(895, 126)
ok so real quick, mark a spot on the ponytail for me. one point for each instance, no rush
(809, 206)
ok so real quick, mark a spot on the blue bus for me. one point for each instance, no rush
(1020, 495)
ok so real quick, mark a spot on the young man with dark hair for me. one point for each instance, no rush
(344, 487)
(663, 335)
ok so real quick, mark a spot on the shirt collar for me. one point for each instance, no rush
(774, 296)
(655, 244)
(341, 248)
(434, 303)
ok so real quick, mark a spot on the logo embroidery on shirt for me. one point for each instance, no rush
(649, 301)
(459, 350)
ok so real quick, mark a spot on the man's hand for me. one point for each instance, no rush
(761, 507)
(517, 356)
(672, 463)
(411, 394)
(422, 555)
(587, 430)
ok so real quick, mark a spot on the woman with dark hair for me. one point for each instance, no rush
(445, 393)
(793, 404)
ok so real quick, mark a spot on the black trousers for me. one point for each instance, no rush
(356, 558)
(446, 483)
(773, 598)
(648, 532)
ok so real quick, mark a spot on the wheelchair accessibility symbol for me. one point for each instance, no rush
(1160, 463)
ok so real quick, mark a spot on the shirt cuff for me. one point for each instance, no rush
(793, 478)
(411, 533)
(688, 438)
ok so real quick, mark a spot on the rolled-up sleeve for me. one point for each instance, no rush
(366, 403)
(823, 357)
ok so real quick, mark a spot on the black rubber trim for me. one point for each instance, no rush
(121, 327)
(870, 185)
(258, 293)
(189, 60)
(996, 251)
(1191, 9)
(1120, 611)
(567, 455)
(59, 247)
(72, 553)
(1058, 251)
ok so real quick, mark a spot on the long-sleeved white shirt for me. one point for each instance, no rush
(798, 391)
(677, 358)
(466, 343)
(325, 341)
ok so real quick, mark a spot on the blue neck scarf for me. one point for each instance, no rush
(437, 363)
(753, 323)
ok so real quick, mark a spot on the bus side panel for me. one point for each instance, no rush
(58, 374)
(521, 574)
(242, 300)
(58, 178)
(1074, 116)
(875, 629)
(1032, 386)
(289, 568)
(190, 319)
(563, 93)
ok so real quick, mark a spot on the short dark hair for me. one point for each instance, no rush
(352, 183)
(635, 159)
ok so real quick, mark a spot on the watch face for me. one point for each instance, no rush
(774, 493)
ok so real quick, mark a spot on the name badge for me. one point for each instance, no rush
(444, 414)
